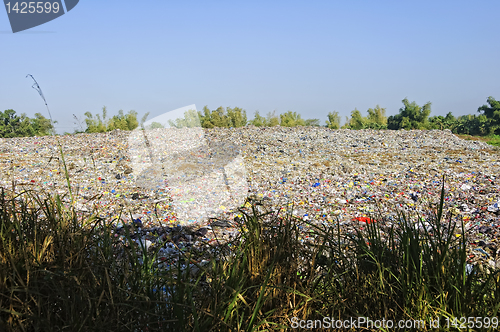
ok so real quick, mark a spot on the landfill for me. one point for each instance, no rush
(186, 191)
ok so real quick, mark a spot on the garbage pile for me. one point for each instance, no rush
(323, 176)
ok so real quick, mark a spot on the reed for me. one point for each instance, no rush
(60, 270)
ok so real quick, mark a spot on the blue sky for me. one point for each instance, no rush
(311, 57)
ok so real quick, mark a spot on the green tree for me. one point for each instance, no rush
(291, 119)
(191, 119)
(91, 123)
(237, 117)
(96, 125)
(473, 125)
(12, 125)
(111, 124)
(346, 124)
(101, 126)
(449, 121)
(131, 119)
(216, 117)
(226, 118)
(411, 116)
(41, 125)
(271, 119)
(121, 121)
(258, 120)
(436, 122)
(463, 124)
(376, 118)
(155, 125)
(24, 127)
(312, 122)
(8, 122)
(206, 118)
(492, 114)
(357, 120)
(443, 122)
(333, 121)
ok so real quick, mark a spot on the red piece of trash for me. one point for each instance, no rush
(365, 220)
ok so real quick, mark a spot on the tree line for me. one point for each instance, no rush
(101, 124)
(236, 117)
(13, 125)
(414, 116)
(410, 116)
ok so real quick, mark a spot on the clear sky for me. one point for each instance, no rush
(311, 57)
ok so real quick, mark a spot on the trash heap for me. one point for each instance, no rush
(321, 175)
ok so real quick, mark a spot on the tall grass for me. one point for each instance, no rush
(62, 271)
(490, 139)
(494, 140)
